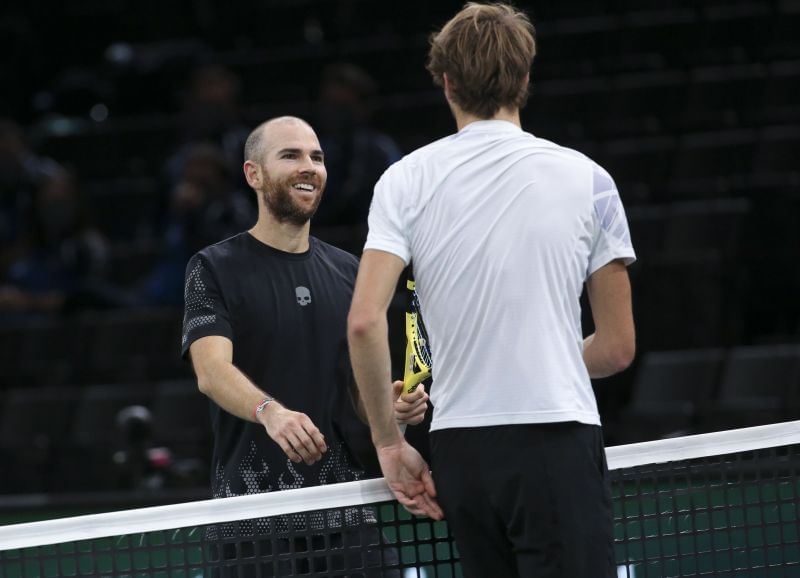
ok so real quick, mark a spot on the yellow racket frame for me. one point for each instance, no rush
(416, 370)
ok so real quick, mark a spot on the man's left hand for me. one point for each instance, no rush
(409, 408)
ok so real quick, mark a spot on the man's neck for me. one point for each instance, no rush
(283, 236)
(465, 118)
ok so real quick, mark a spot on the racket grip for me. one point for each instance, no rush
(412, 381)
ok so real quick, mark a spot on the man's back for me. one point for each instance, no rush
(504, 229)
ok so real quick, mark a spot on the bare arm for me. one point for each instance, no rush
(367, 330)
(228, 387)
(612, 346)
(367, 333)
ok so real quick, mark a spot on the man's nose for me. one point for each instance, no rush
(307, 164)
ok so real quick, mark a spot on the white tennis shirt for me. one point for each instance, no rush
(504, 229)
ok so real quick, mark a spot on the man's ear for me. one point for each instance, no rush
(254, 174)
(448, 86)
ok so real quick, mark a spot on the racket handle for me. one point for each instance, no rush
(412, 386)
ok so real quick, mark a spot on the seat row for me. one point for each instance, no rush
(701, 390)
(78, 439)
(100, 346)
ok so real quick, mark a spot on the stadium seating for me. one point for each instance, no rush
(700, 390)
(691, 106)
(85, 457)
(33, 424)
(669, 390)
(759, 384)
(181, 418)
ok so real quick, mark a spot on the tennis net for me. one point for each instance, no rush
(720, 504)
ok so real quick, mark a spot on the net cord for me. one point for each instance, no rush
(373, 491)
(703, 445)
(191, 514)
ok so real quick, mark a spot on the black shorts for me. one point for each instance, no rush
(529, 500)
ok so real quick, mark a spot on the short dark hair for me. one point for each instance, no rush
(486, 50)
(254, 145)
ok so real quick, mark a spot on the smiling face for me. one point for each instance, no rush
(289, 174)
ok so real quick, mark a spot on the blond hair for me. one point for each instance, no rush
(486, 50)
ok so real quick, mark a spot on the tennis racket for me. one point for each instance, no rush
(418, 351)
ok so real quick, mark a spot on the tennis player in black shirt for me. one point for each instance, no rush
(265, 328)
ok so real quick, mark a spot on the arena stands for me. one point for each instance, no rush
(691, 105)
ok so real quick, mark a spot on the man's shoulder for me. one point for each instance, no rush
(221, 253)
(410, 165)
(428, 151)
(568, 154)
(334, 254)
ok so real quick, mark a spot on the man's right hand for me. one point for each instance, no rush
(297, 435)
(410, 480)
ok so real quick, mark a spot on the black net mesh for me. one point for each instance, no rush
(726, 515)
(366, 541)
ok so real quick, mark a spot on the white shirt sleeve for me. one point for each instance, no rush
(612, 236)
(388, 230)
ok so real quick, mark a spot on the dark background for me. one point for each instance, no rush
(692, 106)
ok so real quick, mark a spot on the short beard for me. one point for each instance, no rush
(278, 200)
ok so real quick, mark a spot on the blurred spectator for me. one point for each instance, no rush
(20, 172)
(355, 153)
(211, 113)
(61, 260)
(204, 209)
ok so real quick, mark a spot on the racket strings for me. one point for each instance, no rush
(418, 352)
(420, 342)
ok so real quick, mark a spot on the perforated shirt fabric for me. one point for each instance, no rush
(286, 316)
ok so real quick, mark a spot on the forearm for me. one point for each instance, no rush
(230, 389)
(358, 403)
(603, 358)
(611, 348)
(369, 352)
